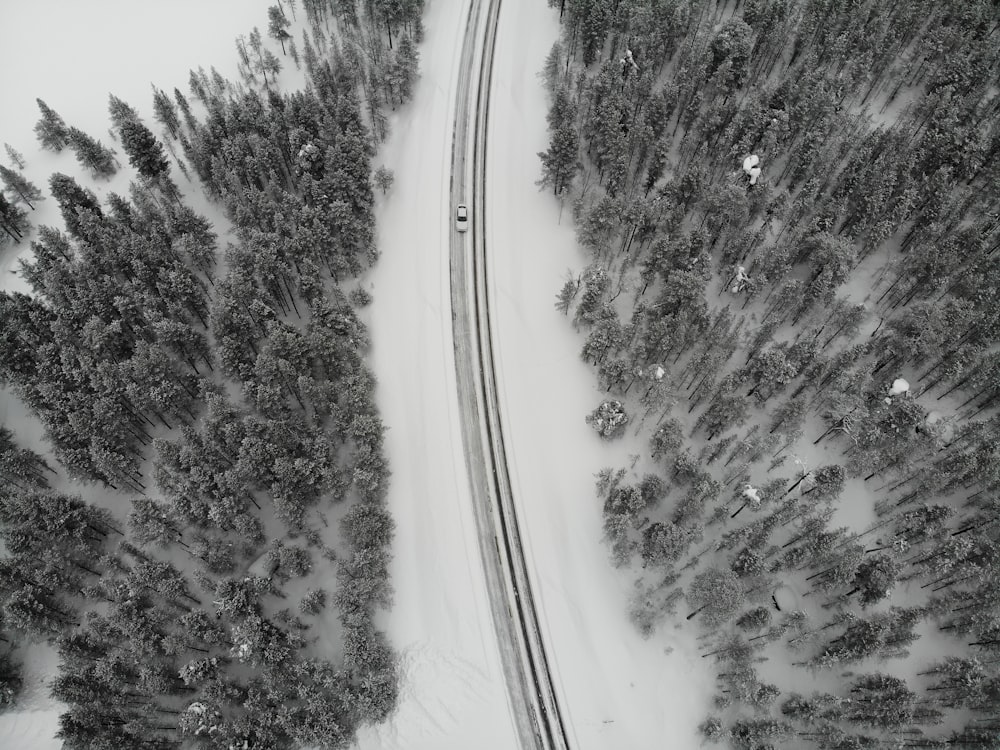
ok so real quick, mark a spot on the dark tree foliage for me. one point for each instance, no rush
(21, 468)
(13, 221)
(277, 25)
(52, 542)
(116, 352)
(879, 700)
(791, 209)
(165, 112)
(560, 161)
(95, 373)
(92, 154)
(19, 188)
(145, 153)
(884, 633)
(51, 129)
(72, 198)
(875, 578)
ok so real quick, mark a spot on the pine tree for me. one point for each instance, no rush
(185, 107)
(145, 153)
(165, 112)
(91, 154)
(717, 594)
(13, 220)
(18, 185)
(875, 578)
(51, 129)
(270, 64)
(263, 60)
(151, 522)
(121, 111)
(71, 199)
(733, 44)
(16, 158)
(407, 64)
(384, 179)
(667, 440)
(755, 734)
(309, 56)
(664, 543)
(567, 294)
(552, 69)
(10, 680)
(276, 25)
(880, 701)
(560, 162)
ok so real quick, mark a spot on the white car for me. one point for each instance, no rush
(462, 217)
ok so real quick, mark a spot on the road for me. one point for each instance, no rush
(533, 701)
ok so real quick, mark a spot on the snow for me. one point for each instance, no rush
(899, 387)
(32, 723)
(750, 166)
(452, 692)
(617, 689)
(740, 280)
(787, 598)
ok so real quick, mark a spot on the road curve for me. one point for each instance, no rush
(532, 698)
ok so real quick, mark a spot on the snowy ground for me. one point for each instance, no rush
(453, 694)
(618, 690)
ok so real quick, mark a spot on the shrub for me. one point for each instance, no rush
(609, 419)
(313, 602)
(360, 297)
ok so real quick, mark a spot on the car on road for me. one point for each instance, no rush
(462, 217)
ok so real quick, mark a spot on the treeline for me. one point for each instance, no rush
(791, 208)
(215, 402)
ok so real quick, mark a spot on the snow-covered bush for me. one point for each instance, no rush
(199, 719)
(712, 728)
(360, 297)
(287, 561)
(754, 619)
(199, 671)
(609, 419)
(313, 601)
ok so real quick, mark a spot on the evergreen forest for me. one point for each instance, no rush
(791, 212)
(205, 379)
